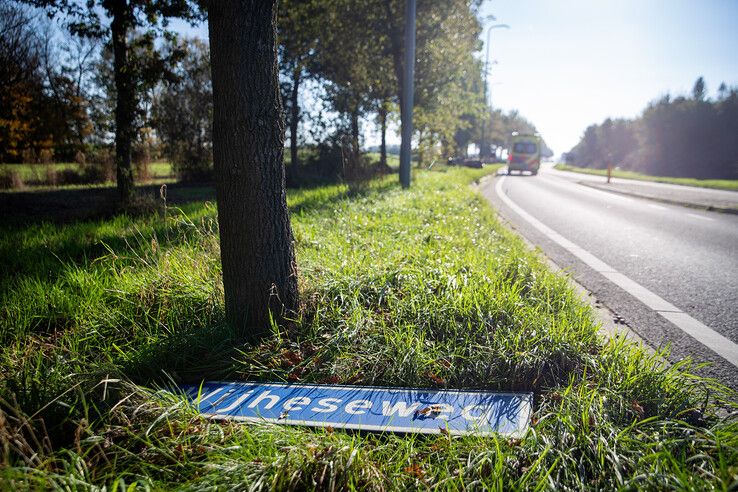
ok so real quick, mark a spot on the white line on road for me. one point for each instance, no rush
(695, 216)
(657, 207)
(708, 337)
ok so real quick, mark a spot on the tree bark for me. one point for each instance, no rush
(125, 103)
(294, 118)
(355, 132)
(383, 143)
(259, 271)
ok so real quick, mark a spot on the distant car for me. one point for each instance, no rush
(524, 154)
(460, 161)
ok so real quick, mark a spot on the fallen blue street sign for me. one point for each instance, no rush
(367, 408)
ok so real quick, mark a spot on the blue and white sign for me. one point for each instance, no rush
(367, 408)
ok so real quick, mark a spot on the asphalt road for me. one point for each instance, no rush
(670, 272)
(700, 197)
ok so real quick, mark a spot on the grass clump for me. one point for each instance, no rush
(719, 184)
(402, 288)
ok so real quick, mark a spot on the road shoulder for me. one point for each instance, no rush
(644, 323)
(612, 325)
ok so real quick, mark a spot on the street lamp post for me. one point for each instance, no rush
(408, 87)
(483, 142)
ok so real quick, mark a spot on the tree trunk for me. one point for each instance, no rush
(355, 133)
(383, 144)
(125, 103)
(294, 119)
(259, 271)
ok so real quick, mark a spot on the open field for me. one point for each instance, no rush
(393, 160)
(36, 176)
(720, 184)
(419, 288)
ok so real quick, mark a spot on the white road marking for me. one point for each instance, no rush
(657, 207)
(695, 216)
(708, 337)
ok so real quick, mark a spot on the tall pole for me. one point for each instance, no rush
(483, 142)
(408, 88)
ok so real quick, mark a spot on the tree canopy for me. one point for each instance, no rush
(682, 136)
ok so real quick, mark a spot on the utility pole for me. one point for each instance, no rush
(483, 142)
(408, 89)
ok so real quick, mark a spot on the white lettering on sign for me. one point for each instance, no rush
(466, 412)
(400, 408)
(374, 409)
(236, 403)
(296, 403)
(327, 405)
(212, 394)
(358, 407)
(273, 399)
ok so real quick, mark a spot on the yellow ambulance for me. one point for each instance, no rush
(524, 153)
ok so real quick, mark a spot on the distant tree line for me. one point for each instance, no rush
(681, 136)
(116, 90)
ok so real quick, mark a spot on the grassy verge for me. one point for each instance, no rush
(403, 288)
(719, 184)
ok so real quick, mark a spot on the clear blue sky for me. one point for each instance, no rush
(565, 64)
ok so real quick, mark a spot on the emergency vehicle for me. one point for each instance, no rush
(524, 153)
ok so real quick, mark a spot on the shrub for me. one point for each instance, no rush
(97, 173)
(68, 176)
(50, 174)
(11, 180)
(141, 158)
(46, 156)
(192, 163)
(80, 158)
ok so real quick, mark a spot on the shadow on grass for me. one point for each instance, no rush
(63, 206)
(315, 202)
(187, 356)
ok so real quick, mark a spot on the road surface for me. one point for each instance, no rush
(670, 272)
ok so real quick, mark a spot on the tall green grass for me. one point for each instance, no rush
(402, 288)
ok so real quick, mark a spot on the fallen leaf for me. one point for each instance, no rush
(637, 408)
(415, 470)
(293, 358)
(429, 410)
(435, 378)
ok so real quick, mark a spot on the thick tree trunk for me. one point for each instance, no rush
(294, 118)
(397, 48)
(383, 143)
(259, 272)
(125, 103)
